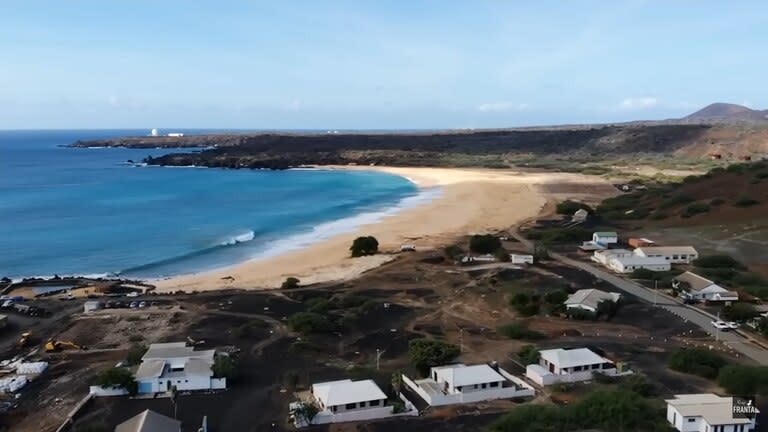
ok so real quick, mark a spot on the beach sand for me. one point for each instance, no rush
(472, 201)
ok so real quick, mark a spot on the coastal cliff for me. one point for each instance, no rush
(484, 148)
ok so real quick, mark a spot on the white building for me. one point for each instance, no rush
(459, 383)
(149, 421)
(176, 134)
(589, 299)
(628, 264)
(521, 259)
(703, 289)
(673, 254)
(580, 215)
(174, 364)
(347, 400)
(571, 365)
(604, 255)
(605, 238)
(486, 258)
(705, 412)
(91, 305)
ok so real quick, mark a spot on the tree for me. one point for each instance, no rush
(426, 353)
(484, 244)
(397, 381)
(310, 322)
(529, 355)
(740, 312)
(540, 251)
(697, 361)
(224, 367)
(607, 309)
(118, 377)
(502, 255)
(367, 245)
(135, 354)
(290, 282)
(304, 412)
(744, 380)
(714, 261)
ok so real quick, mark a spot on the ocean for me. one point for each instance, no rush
(70, 211)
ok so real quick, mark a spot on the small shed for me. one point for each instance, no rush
(92, 305)
(636, 242)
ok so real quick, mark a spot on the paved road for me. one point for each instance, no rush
(735, 340)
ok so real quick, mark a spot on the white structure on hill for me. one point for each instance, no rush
(456, 384)
(580, 215)
(589, 299)
(166, 365)
(346, 401)
(600, 240)
(149, 421)
(628, 264)
(154, 133)
(673, 254)
(572, 365)
(704, 289)
(605, 255)
(521, 259)
(705, 412)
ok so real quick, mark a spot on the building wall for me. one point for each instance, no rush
(564, 377)
(620, 267)
(582, 307)
(672, 258)
(476, 395)
(343, 408)
(160, 385)
(325, 417)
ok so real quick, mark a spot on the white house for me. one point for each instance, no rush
(605, 238)
(703, 289)
(604, 255)
(570, 365)
(459, 383)
(347, 400)
(673, 254)
(174, 364)
(705, 412)
(149, 421)
(588, 299)
(628, 264)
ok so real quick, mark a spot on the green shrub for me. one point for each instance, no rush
(569, 207)
(502, 255)
(426, 353)
(659, 216)
(318, 305)
(484, 243)
(135, 354)
(118, 377)
(694, 209)
(717, 202)
(676, 200)
(740, 312)
(713, 261)
(520, 331)
(556, 297)
(529, 355)
(310, 322)
(697, 361)
(453, 251)
(352, 300)
(367, 245)
(745, 201)
(290, 282)
(744, 380)
(224, 367)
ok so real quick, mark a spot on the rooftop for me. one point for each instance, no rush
(606, 234)
(640, 260)
(667, 250)
(149, 421)
(573, 357)
(716, 410)
(175, 350)
(591, 297)
(343, 392)
(696, 282)
(150, 369)
(461, 375)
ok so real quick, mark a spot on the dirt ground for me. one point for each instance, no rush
(406, 300)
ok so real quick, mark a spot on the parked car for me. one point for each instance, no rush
(143, 304)
(133, 305)
(721, 325)
(132, 294)
(732, 325)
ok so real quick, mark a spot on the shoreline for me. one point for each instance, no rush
(472, 201)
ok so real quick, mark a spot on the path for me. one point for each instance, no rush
(736, 340)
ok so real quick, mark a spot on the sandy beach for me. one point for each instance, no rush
(472, 201)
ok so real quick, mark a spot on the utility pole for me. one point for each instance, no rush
(378, 357)
(655, 290)
(461, 340)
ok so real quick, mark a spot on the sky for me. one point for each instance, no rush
(374, 64)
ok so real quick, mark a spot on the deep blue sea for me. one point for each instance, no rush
(74, 211)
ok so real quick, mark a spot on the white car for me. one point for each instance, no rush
(720, 325)
(132, 294)
(732, 325)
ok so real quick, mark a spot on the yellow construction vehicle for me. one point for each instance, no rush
(24, 339)
(57, 345)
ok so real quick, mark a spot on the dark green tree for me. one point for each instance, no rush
(427, 353)
(367, 245)
(118, 377)
(484, 243)
(224, 366)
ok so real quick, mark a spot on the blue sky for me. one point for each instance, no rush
(374, 64)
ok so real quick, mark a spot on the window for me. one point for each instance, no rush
(494, 384)
(691, 420)
(484, 385)
(577, 368)
(362, 404)
(351, 406)
(373, 403)
(595, 366)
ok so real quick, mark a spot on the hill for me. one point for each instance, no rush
(719, 112)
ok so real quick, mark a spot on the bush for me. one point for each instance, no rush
(351, 301)
(502, 255)
(318, 305)
(569, 207)
(694, 209)
(224, 367)
(745, 201)
(529, 355)
(552, 235)
(484, 244)
(367, 245)
(697, 361)
(676, 200)
(740, 312)
(744, 380)
(717, 202)
(310, 322)
(290, 282)
(607, 309)
(426, 353)
(453, 251)
(118, 377)
(716, 261)
(556, 297)
(135, 354)
(643, 274)
(520, 331)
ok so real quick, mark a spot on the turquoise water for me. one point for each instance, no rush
(86, 211)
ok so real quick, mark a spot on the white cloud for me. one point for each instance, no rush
(502, 106)
(637, 103)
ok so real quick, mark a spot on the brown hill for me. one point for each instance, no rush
(727, 112)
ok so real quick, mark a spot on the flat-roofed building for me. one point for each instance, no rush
(673, 254)
(706, 412)
(570, 365)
